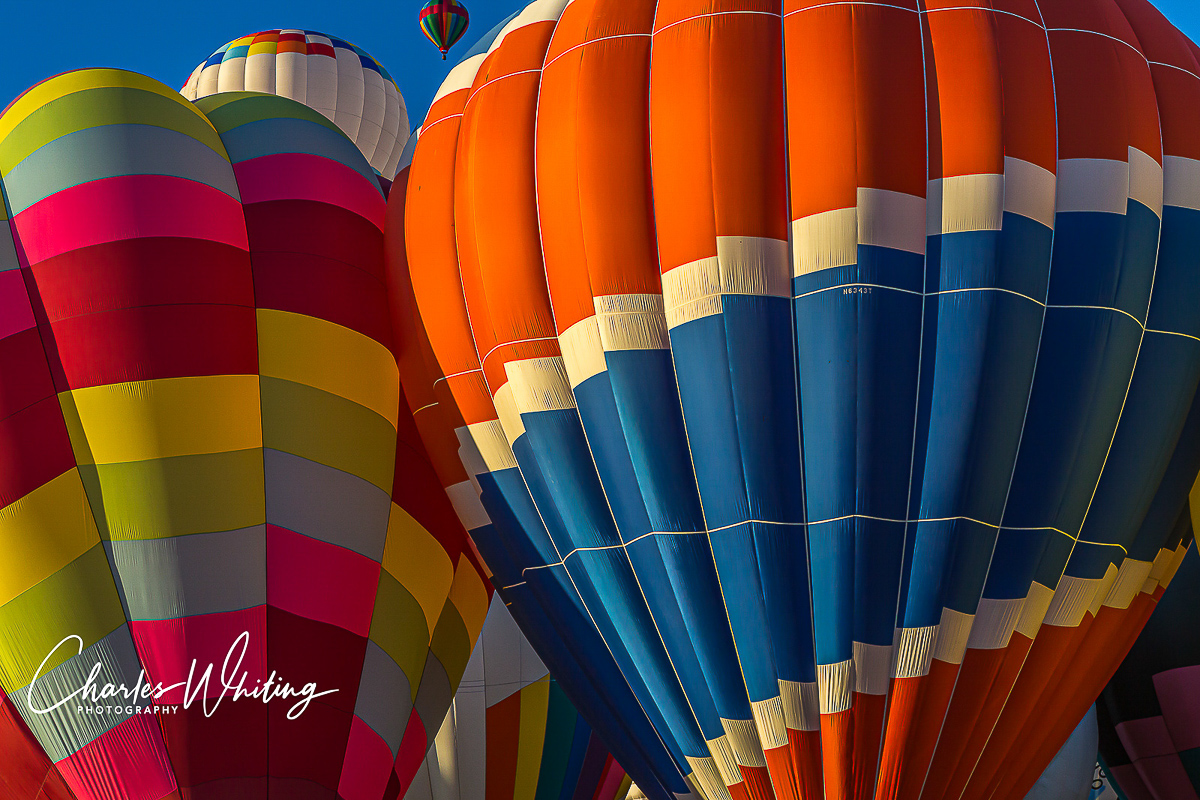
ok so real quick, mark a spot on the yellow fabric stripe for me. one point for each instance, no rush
(178, 496)
(329, 430)
(398, 627)
(469, 596)
(416, 559)
(79, 81)
(535, 700)
(327, 356)
(143, 420)
(450, 644)
(262, 47)
(43, 532)
(79, 599)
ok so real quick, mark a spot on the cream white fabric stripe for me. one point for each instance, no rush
(708, 778)
(510, 418)
(1071, 601)
(744, 265)
(537, 11)
(881, 218)
(914, 650)
(1102, 589)
(1029, 190)
(539, 384)
(350, 92)
(825, 240)
(1104, 185)
(322, 80)
(232, 77)
(995, 621)
(1131, 577)
(484, 449)
(1033, 613)
(953, 632)
(743, 739)
(872, 668)
(582, 352)
(722, 754)
(374, 108)
(291, 74)
(801, 705)
(965, 203)
(260, 73)
(632, 322)
(189, 88)
(1181, 182)
(464, 496)
(835, 683)
(769, 722)
(460, 77)
(206, 84)
(891, 219)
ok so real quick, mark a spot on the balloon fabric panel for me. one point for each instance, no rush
(833, 361)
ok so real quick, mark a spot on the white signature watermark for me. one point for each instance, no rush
(233, 685)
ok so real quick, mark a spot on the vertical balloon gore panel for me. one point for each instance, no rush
(844, 384)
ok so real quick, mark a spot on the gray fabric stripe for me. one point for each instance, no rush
(182, 576)
(433, 696)
(66, 730)
(8, 251)
(326, 503)
(384, 697)
(110, 150)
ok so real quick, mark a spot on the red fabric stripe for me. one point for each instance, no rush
(34, 449)
(503, 743)
(837, 746)
(321, 287)
(302, 226)
(137, 344)
(143, 272)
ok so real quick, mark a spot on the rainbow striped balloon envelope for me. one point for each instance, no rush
(227, 569)
(443, 22)
(331, 75)
(821, 375)
(512, 734)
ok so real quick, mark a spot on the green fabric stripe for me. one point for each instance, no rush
(398, 627)
(556, 752)
(228, 110)
(450, 643)
(177, 496)
(80, 599)
(111, 105)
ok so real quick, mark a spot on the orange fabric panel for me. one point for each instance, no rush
(716, 88)
(1027, 82)
(593, 151)
(503, 742)
(970, 104)
(496, 203)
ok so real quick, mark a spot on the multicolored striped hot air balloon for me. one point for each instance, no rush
(337, 78)
(832, 360)
(1150, 710)
(205, 459)
(444, 22)
(512, 734)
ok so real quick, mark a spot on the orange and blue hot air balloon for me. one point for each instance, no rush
(854, 447)
(444, 22)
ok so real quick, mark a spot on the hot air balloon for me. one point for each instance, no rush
(831, 359)
(511, 733)
(205, 459)
(1150, 710)
(1069, 775)
(444, 22)
(339, 79)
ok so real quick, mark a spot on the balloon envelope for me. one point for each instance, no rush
(1150, 710)
(512, 733)
(443, 22)
(830, 361)
(1069, 775)
(326, 73)
(205, 460)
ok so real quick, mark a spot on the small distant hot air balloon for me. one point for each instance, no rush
(444, 22)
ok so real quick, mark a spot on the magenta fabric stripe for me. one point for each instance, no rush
(16, 315)
(1178, 693)
(320, 581)
(302, 176)
(129, 207)
(368, 764)
(128, 762)
(1145, 738)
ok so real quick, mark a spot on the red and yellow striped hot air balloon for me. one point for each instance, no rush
(205, 458)
(830, 361)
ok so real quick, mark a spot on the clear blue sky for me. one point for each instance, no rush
(166, 39)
